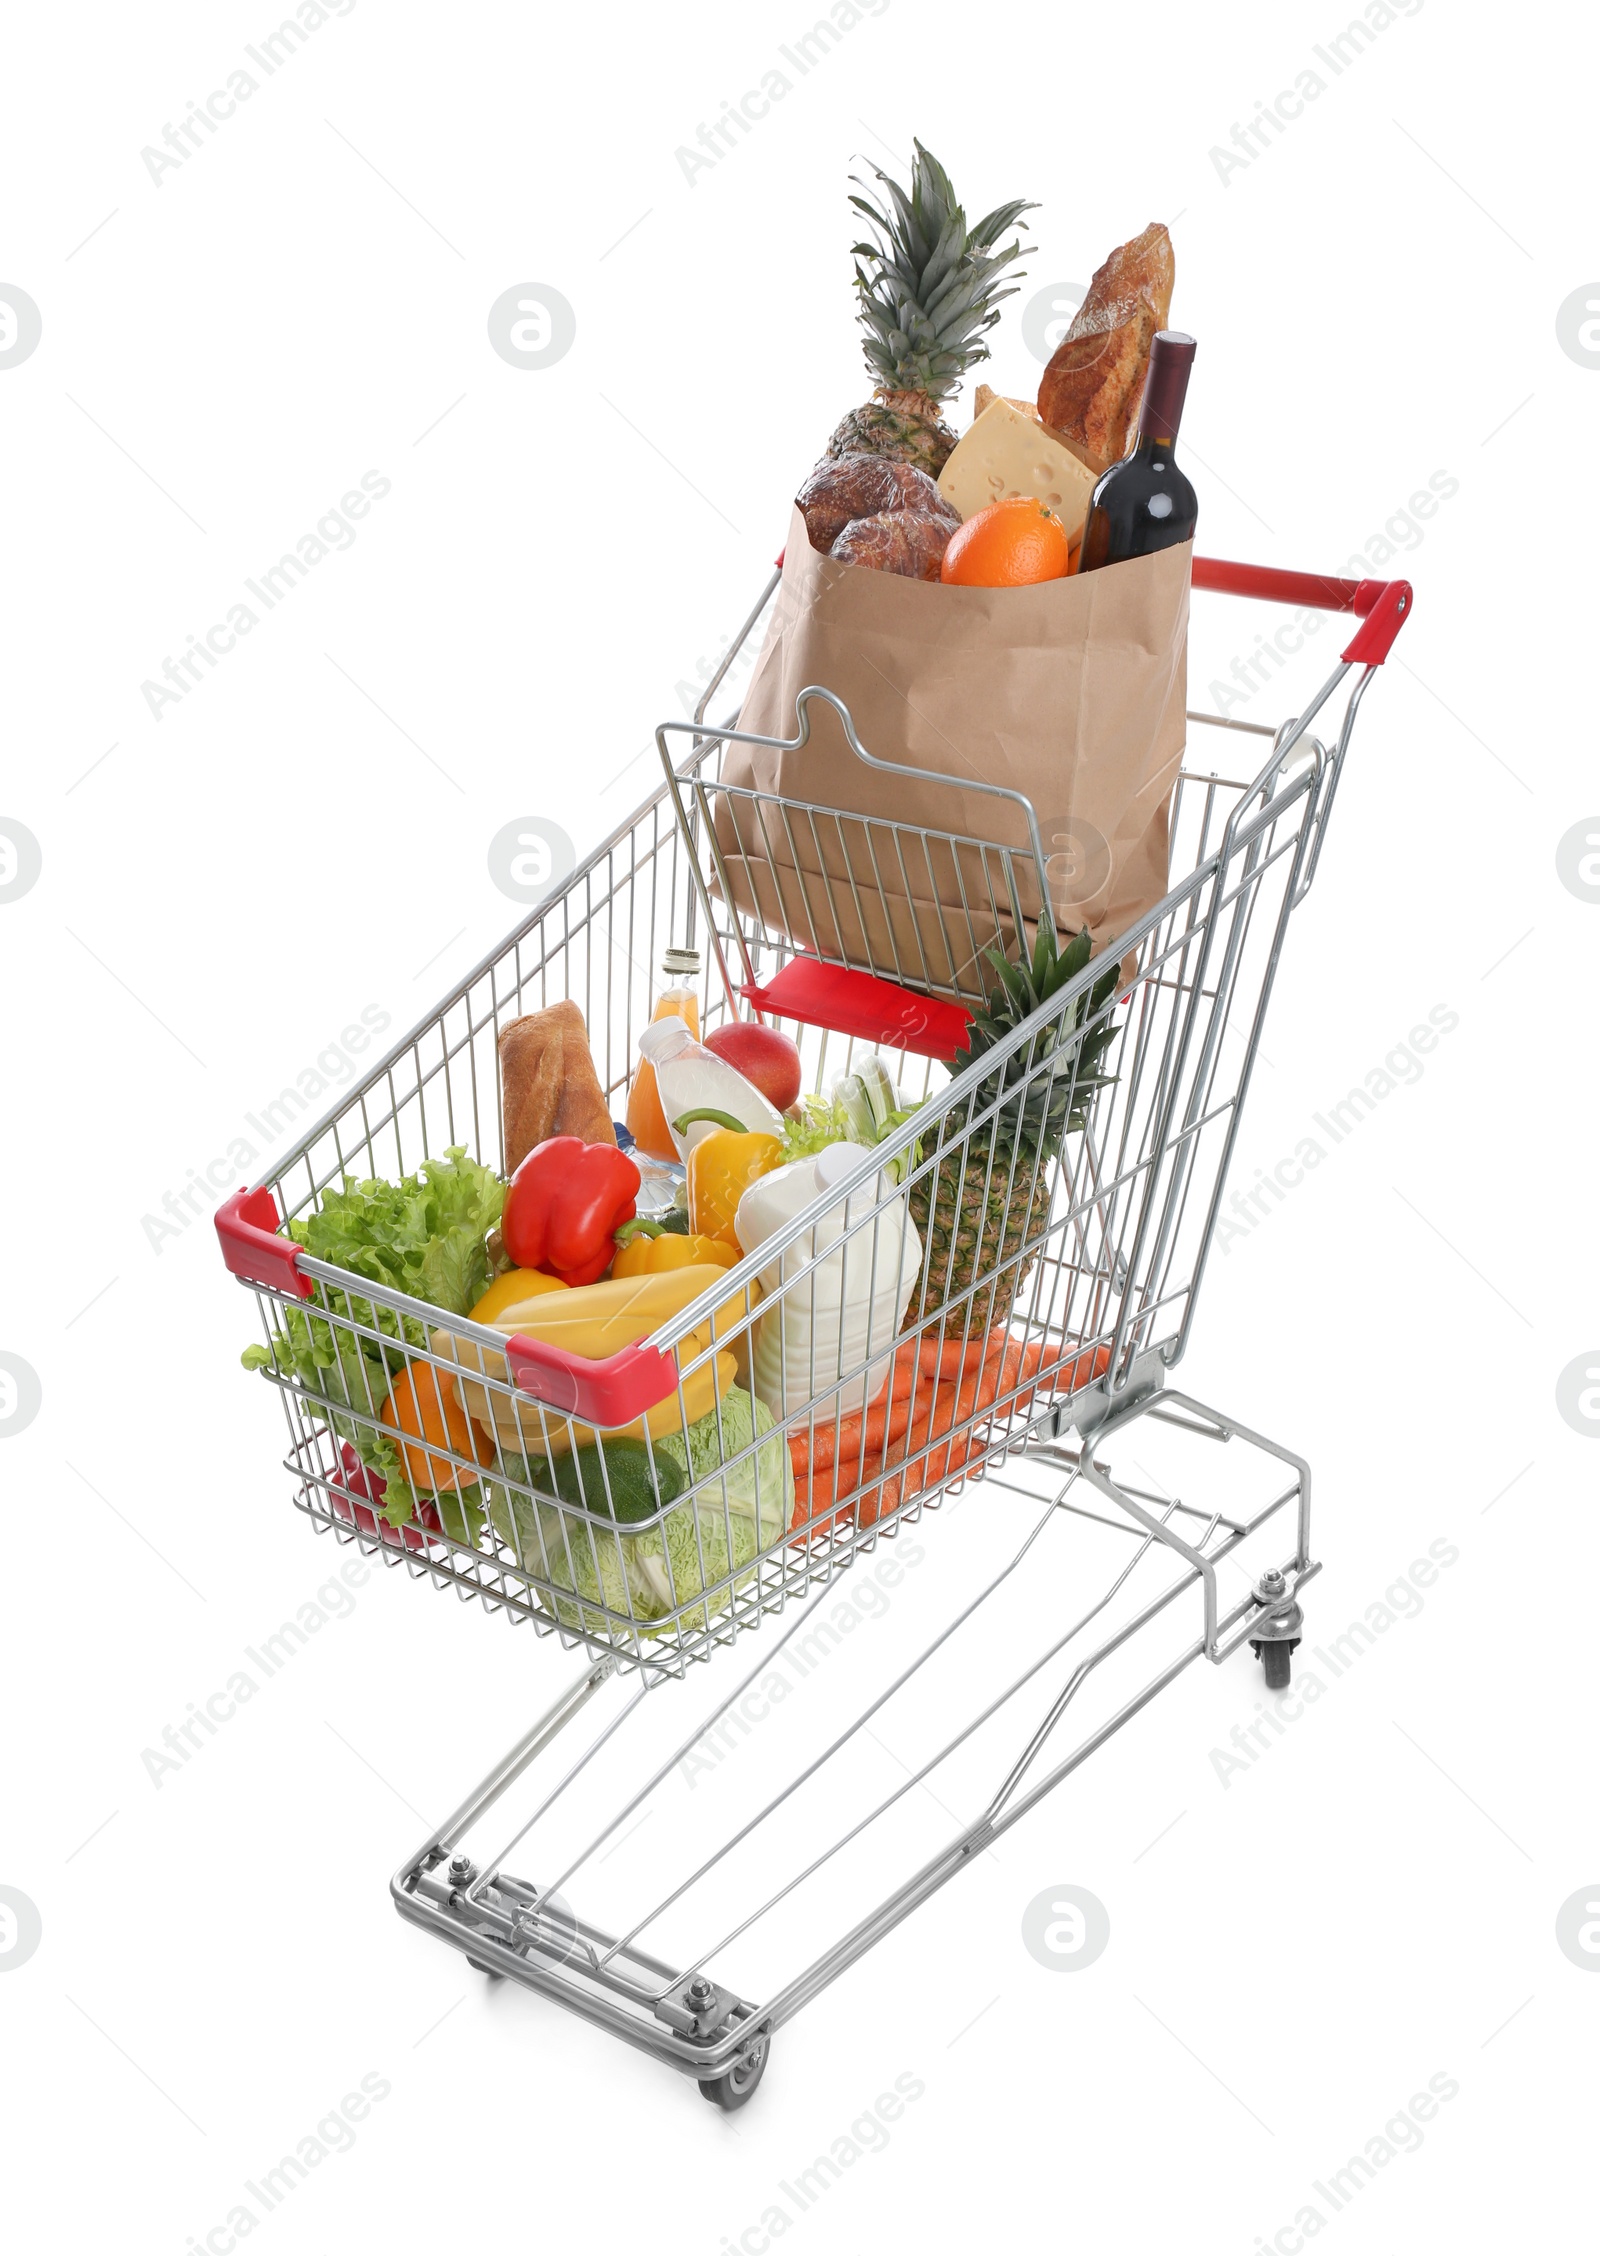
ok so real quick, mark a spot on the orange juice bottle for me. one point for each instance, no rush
(679, 998)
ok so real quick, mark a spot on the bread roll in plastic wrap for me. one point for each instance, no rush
(863, 485)
(911, 542)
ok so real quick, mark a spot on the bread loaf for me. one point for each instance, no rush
(548, 1084)
(1090, 391)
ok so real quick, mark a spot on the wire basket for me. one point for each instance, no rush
(1043, 1269)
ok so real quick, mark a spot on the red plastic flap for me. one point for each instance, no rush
(870, 1009)
(611, 1391)
(247, 1226)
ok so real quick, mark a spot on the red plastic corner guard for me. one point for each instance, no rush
(1383, 606)
(614, 1390)
(247, 1227)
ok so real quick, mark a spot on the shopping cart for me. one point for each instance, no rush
(1025, 1363)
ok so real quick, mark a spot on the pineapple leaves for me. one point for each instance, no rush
(928, 284)
(1016, 984)
(1056, 1073)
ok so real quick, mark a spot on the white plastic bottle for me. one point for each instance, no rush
(691, 1078)
(834, 1299)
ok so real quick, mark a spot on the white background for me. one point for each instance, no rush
(1373, 1901)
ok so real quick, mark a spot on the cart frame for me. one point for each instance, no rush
(1116, 1267)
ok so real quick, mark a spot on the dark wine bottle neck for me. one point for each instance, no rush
(1161, 410)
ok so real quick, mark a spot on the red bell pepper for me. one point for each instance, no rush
(566, 1203)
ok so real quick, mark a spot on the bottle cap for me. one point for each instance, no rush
(1171, 358)
(682, 962)
(663, 1038)
(836, 1163)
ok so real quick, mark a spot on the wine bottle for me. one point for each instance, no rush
(1144, 502)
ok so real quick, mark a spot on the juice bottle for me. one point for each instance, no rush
(679, 998)
(691, 1079)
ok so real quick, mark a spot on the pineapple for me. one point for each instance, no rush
(989, 1197)
(927, 286)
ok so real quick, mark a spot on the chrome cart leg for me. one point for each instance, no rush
(504, 1775)
(1224, 1429)
(1274, 1632)
(1098, 1478)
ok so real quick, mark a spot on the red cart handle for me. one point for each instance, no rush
(1383, 606)
(613, 1390)
(247, 1225)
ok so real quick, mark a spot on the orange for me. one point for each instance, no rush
(1012, 543)
(423, 1402)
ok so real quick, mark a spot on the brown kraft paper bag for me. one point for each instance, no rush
(1071, 691)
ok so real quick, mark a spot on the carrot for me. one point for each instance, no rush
(946, 1358)
(948, 1410)
(915, 1363)
(941, 1407)
(899, 1436)
(868, 1431)
(1064, 1376)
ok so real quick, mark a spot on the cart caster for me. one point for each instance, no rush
(738, 2085)
(1274, 1659)
(462, 1872)
(1280, 1627)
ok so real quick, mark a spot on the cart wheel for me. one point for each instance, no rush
(1273, 1654)
(733, 2089)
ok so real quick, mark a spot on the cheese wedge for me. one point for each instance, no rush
(985, 395)
(1009, 452)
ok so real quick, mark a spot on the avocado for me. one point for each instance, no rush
(582, 1479)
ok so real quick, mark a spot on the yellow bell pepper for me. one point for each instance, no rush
(722, 1167)
(645, 1256)
(515, 1286)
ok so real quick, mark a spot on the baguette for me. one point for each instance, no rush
(548, 1084)
(1090, 391)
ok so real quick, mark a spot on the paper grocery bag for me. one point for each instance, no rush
(1071, 692)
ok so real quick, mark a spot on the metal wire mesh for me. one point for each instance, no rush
(1043, 1264)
